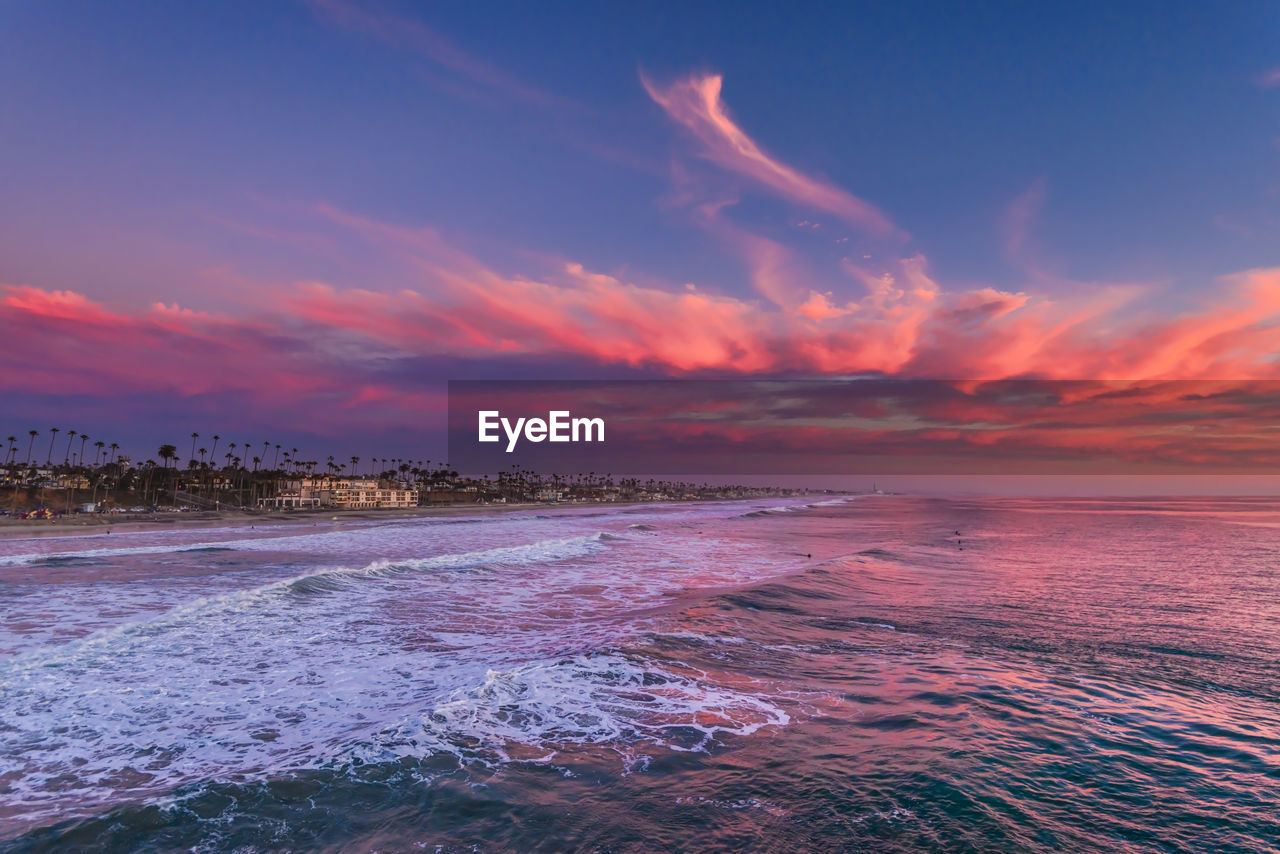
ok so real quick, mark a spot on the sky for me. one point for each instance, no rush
(298, 220)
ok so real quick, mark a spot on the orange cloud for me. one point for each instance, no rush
(903, 322)
(895, 320)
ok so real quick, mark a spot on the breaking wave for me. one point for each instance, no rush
(535, 711)
(220, 686)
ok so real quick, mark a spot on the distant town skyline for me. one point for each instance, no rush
(300, 219)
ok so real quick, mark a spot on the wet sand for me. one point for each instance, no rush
(127, 522)
(79, 524)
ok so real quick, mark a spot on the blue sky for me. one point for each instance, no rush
(275, 169)
(1155, 144)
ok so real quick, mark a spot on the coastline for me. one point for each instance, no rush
(13, 529)
(18, 529)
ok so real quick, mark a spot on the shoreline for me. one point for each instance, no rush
(90, 524)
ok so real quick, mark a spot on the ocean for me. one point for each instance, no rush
(875, 673)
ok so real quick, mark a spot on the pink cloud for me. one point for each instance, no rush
(903, 322)
(319, 354)
(695, 103)
(64, 344)
(819, 307)
(314, 341)
(54, 305)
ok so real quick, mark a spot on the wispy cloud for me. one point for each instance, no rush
(695, 103)
(411, 34)
(1270, 78)
(1021, 216)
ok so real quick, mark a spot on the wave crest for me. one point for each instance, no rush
(536, 711)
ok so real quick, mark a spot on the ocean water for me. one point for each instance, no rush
(882, 673)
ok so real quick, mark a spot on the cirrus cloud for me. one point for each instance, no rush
(695, 103)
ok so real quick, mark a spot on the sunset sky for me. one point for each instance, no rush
(297, 220)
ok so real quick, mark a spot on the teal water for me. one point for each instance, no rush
(774, 676)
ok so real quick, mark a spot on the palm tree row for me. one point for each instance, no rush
(69, 457)
(244, 474)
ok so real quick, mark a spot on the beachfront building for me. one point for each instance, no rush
(297, 495)
(290, 500)
(343, 493)
(370, 495)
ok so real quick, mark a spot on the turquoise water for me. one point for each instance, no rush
(885, 673)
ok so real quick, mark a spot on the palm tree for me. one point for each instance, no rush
(71, 437)
(114, 447)
(149, 467)
(84, 437)
(166, 453)
(32, 434)
(13, 455)
(275, 464)
(194, 436)
(53, 434)
(354, 460)
(214, 449)
(99, 445)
